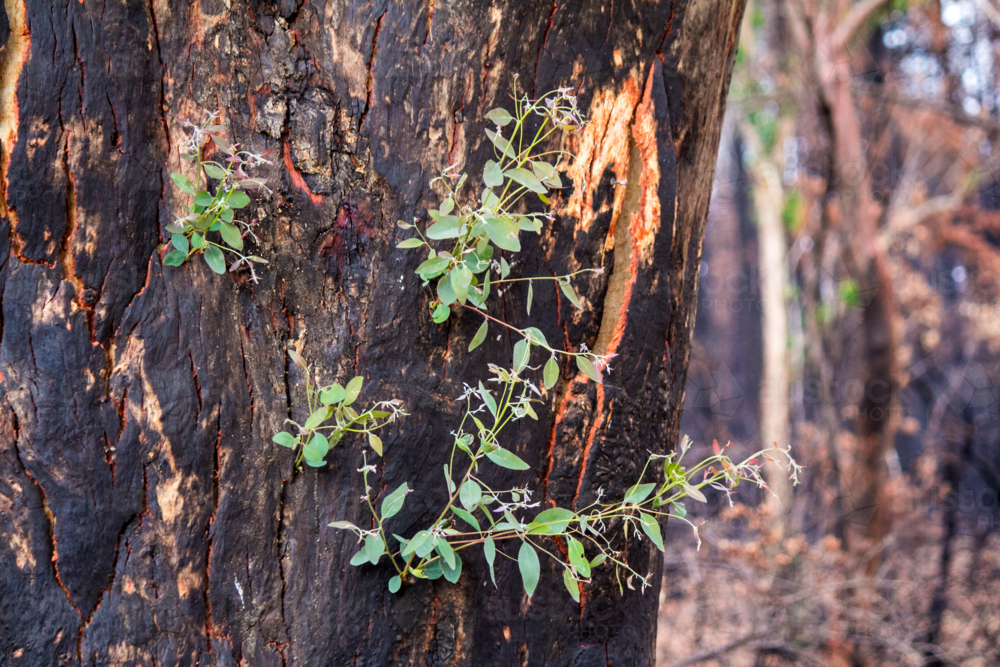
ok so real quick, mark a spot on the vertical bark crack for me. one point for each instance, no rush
(544, 43)
(369, 66)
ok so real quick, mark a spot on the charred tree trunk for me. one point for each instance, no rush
(147, 517)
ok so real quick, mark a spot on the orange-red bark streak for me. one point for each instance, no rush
(297, 179)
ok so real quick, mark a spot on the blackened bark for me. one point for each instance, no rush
(147, 517)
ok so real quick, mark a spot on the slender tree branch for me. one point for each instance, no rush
(851, 23)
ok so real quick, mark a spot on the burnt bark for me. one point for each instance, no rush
(147, 517)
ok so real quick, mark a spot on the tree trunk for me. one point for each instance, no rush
(148, 519)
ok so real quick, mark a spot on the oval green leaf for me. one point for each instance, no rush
(551, 373)
(527, 563)
(492, 174)
(238, 199)
(480, 336)
(215, 259)
(506, 459)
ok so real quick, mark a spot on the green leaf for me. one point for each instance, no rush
(452, 574)
(638, 493)
(215, 260)
(694, 493)
(446, 293)
(480, 336)
(489, 199)
(479, 261)
(448, 480)
(374, 547)
(525, 222)
(651, 527)
(316, 418)
(499, 116)
(231, 235)
(577, 557)
(447, 553)
(587, 368)
(285, 439)
(214, 171)
(470, 494)
(567, 289)
(672, 471)
(531, 295)
(180, 242)
(393, 502)
(547, 174)
(376, 443)
(198, 242)
(317, 448)
(360, 558)
(551, 372)
(175, 258)
(432, 570)
(527, 562)
(238, 199)
(490, 551)
(486, 283)
(526, 178)
(506, 459)
(419, 541)
(552, 521)
(445, 228)
(680, 510)
(432, 267)
(226, 214)
(466, 517)
(395, 584)
(537, 337)
(504, 268)
(353, 389)
(571, 585)
(440, 313)
(203, 198)
(502, 144)
(183, 183)
(410, 243)
(492, 174)
(464, 442)
(502, 233)
(447, 206)
(332, 394)
(488, 399)
(521, 353)
(461, 278)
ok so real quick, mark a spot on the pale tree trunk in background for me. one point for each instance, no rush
(148, 518)
(772, 258)
(775, 413)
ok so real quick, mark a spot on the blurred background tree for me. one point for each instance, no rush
(849, 305)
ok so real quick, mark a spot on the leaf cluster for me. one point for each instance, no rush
(331, 416)
(210, 227)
